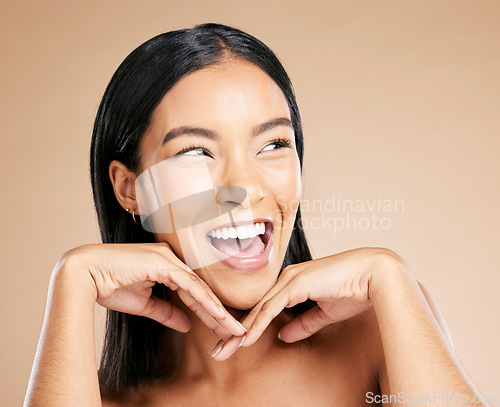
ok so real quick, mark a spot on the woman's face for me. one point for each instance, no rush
(222, 152)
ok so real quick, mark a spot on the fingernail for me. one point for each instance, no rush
(241, 326)
(222, 311)
(216, 349)
(279, 336)
(242, 341)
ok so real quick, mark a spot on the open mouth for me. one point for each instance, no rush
(244, 246)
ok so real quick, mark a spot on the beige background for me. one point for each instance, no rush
(400, 101)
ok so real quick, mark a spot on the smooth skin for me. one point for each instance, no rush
(375, 329)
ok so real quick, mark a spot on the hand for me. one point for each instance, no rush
(340, 284)
(124, 275)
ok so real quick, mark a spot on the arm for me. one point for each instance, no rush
(64, 371)
(118, 277)
(437, 314)
(419, 356)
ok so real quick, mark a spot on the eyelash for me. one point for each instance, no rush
(195, 147)
(280, 142)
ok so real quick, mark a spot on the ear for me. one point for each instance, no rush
(123, 181)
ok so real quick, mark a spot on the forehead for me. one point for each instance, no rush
(234, 93)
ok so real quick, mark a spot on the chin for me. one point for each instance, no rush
(241, 302)
(241, 305)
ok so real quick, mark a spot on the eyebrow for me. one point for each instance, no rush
(211, 134)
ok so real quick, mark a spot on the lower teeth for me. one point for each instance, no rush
(231, 246)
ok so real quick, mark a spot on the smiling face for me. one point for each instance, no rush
(222, 137)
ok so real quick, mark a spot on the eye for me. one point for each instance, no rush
(194, 151)
(277, 144)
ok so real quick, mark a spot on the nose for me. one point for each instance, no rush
(239, 184)
(231, 194)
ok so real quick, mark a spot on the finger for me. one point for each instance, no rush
(285, 278)
(287, 275)
(199, 291)
(304, 325)
(231, 345)
(167, 314)
(221, 331)
(204, 316)
(191, 283)
(267, 312)
(164, 249)
(221, 306)
(261, 320)
(175, 278)
(223, 350)
(294, 291)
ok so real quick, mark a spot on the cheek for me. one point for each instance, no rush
(286, 186)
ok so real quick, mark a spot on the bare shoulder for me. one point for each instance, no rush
(360, 333)
(112, 400)
(109, 403)
(357, 344)
(354, 347)
(124, 399)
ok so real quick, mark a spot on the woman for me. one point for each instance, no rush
(212, 295)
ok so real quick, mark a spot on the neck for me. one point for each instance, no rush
(192, 349)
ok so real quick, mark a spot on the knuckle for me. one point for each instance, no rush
(157, 261)
(385, 253)
(188, 292)
(167, 313)
(195, 307)
(185, 297)
(288, 269)
(204, 284)
(167, 251)
(165, 247)
(196, 280)
(323, 317)
(306, 326)
(150, 308)
(290, 272)
(264, 309)
(163, 250)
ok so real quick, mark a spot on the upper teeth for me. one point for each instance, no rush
(240, 232)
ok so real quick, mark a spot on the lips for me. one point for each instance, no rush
(244, 246)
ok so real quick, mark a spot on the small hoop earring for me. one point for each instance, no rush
(133, 215)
